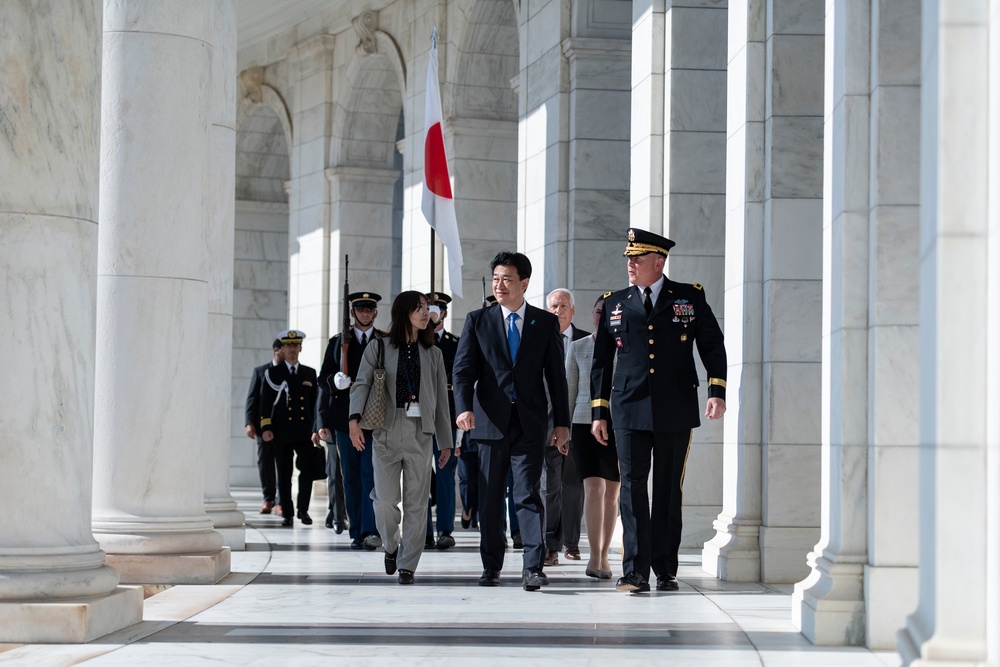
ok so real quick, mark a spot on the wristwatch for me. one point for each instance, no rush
(355, 417)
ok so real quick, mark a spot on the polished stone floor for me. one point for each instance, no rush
(299, 596)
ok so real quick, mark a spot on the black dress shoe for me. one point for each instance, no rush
(390, 562)
(466, 519)
(633, 583)
(356, 544)
(489, 578)
(329, 519)
(532, 579)
(405, 577)
(445, 541)
(339, 526)
(304, 517)
(516, 538)
(429, 542)
(667, 582)
(286, 521)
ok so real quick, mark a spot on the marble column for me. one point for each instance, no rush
(649, 113)
(219, 503)
(958, 249)
(891, 575)
(734, 553)
(828, 606)
(543, 145)
(152, 295)
(54, 584)
(694, 211)
(770, 518)
(599, 155)
(310, 72)
(361, 213)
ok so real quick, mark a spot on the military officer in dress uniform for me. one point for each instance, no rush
(444, 478)
(287, 417)
(335, 403)
(652, 326)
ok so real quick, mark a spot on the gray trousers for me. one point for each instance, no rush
(402, 452)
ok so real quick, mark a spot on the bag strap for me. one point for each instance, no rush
(380, 355)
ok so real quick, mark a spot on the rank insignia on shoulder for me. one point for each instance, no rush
(698, 286)
(607, 294)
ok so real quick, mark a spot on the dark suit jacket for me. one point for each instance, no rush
(288, 404)
(448, 344)
(334, 404)
(485, 378)
(253, 397)
(654, 386)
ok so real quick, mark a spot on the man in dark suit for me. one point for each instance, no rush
(265, 450)
(563, 487)
(288, 414)
(506, 355)
(335, 403)
(443, 481)
(652, 327)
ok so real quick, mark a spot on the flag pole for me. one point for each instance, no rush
(434, 40)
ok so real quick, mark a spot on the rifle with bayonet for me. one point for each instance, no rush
(345, 335)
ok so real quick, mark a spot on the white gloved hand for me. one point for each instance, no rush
(341, 381)
(459, 434)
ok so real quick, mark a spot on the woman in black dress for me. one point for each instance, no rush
(597, 463)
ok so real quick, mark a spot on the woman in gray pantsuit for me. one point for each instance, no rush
(416, 408)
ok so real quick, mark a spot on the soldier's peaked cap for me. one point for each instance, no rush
(438, 299)
(642, 242)
(291, 337)
(364, 299)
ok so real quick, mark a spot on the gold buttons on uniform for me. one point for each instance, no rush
(650, 327)
(652, 370)
(651, 356)
(650, 341)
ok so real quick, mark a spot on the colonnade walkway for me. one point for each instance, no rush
(300, 596)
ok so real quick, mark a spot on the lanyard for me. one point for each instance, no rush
(410, 395)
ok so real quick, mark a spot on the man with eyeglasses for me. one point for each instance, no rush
(334, 407)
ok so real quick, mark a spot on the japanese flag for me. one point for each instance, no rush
(438, 205)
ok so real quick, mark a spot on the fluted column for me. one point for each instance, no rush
(958, 401)
(54, 584)
(219, 503)
(152, 294)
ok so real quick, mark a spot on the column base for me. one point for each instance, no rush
(70, 621)
(783, 553)
(891, 593)
(234, 538)
(197, 568)
(698, 525)
(734, 553)
(828, 607)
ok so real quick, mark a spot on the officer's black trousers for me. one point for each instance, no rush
(283, 456)
(651, 535)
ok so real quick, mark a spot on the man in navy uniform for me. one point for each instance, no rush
(287, 416)
(652, 326)
(334, 406)
(265, 450)
(506, 355)
(444, 478)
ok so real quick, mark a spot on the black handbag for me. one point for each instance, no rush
(311, 462)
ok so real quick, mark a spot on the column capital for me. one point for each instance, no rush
(596, 47)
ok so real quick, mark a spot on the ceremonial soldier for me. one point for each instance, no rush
(287, 418)
(334, 407)
(652, 328)
(443, 484)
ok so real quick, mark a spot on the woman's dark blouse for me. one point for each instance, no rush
(409, 366)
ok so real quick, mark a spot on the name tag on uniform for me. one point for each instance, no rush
(413, 410)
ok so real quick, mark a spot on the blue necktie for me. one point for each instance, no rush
(513, 337)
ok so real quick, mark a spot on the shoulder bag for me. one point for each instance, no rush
(373, 416)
